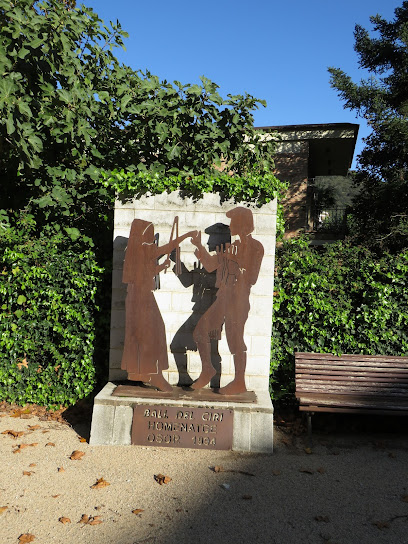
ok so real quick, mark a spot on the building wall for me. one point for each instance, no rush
(292, 166)
(178, 303)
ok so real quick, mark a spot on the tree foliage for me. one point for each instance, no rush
(382, 99)
(69, 109)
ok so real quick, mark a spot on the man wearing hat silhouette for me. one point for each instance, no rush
(237, 268)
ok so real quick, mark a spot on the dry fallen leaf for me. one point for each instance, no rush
(23, 362)
(381, 524)
(55, 496)
(161, 479)
(34, 427)
(326, 519)
(306, 470)
(100, 482)
(96, 520)
(404, 498)
(50, 444)
(26, 538)
(61, 469)
(14, 434)
(32, 465)
(322, 470)
(27, 473)
(21, 413)
(89, 520)
(222, 469)
(276, 472)
(81, 439)
(3, 509)
(76, 455)
(308, 450)
(137, 511)
(64, 520)
(21, 447)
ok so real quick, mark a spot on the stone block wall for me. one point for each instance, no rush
(179, 299)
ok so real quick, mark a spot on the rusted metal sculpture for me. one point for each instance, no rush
(237, 268)
(145, 350)
(177, 268)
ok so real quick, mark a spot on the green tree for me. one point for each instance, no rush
(380, 210)
(69, 109)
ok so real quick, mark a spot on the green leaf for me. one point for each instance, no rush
(35, 42)
(21, 299)
(7, 87)
(24, 108)
(73, 233)
(10, 126)
(35, 142)
(45, 201)
(23, 53)
(125, 101)
(194, 90)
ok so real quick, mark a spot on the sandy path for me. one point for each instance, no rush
(349, 490)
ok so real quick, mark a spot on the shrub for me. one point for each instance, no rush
(47, 297)
(256, 188)
(336, 299)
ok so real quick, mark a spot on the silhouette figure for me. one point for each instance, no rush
(145, 350)
(203, 296)
(237, 268)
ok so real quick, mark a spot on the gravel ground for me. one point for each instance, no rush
(350, 488)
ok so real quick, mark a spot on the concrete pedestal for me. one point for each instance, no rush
(252, 422)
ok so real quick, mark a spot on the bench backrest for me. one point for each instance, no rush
(351, 374)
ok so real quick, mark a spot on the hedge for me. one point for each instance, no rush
(336, 299)
(47, 308)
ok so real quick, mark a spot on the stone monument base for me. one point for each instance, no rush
(182, 418)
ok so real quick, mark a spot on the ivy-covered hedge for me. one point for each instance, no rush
(336, 299)
(256, 188)
(47, 306)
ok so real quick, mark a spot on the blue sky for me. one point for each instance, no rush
(274, 50)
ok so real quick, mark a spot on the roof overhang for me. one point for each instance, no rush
(330, 146)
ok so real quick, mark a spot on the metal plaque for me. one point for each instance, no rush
(182, 427)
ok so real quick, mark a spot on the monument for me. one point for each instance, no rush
(191, 325)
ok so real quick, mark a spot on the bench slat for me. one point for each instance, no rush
(351, 357)
(347, 390)
(339, 376)
(372, 384)
(350, 366)
(352, 402)
(354, 410)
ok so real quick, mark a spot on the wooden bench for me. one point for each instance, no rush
(365, 384)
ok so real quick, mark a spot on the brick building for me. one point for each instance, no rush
(304, 153)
